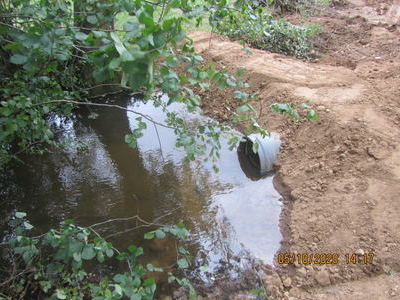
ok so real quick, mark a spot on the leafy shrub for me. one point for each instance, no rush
(289, 5)
(258, 28)
(55, 264)
(290, 110)
(54, 54)
(301, 6)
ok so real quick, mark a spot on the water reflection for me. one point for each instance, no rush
(228, 213)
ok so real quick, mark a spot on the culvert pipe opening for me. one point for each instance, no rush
(257, 165)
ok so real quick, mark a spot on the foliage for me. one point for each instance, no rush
(55, 264)
(301, 6)
(52, 51)
(261, 30)
(289, 5)
(289, 109)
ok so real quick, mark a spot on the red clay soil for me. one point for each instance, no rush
(340, 176)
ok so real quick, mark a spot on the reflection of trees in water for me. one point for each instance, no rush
(113, 180)
(64, 183)
(191, 188)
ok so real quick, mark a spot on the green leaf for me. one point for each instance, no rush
(119, 278)
(150, 38)
(109, 252)
(285, 108)
(132, 248)
(88, 252)
(45, 285)
(240, 95)
(255, 147)
(28, 226)
(118, 289)
(256, 291)
(183, 250)
(20, 215)
(160, 234)
(149, 281)
(92, 19)
(114, 64)
(81, 36)
(77, 256)
(100, 257)
(151, 268)
(305, 105)
(243, 108)
(230, 83)
(61, 56)
(60, 294)
(99, 34)
(131, 140)
(144, 18)
(312, 115)
(183, 263)
(149, 235)
(124, 53)
(133, 28)
(18, 59)
(204, 268)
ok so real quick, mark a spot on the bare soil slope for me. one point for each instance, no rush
(340, 176)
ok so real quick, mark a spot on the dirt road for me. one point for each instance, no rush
(340, 177)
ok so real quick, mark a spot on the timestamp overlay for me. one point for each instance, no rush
(325, 258)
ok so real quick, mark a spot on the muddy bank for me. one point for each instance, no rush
(341, 175)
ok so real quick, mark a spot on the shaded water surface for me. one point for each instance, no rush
(229, 215)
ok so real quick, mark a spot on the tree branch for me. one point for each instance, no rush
(106, 105)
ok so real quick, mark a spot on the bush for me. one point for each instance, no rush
(55, 265)
(260, 30)
(287, 6)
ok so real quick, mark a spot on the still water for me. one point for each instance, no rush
(229, 215)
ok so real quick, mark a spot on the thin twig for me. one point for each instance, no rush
(122, 219)
(115, 249)
(13, 277)
(108, 84)
(105, 105)
(159, 141)
(133, 218)
(137, 218)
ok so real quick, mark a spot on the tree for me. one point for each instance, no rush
(46, 45)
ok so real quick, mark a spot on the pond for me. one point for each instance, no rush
(231, 217)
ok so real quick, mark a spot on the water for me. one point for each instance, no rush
(230, 215)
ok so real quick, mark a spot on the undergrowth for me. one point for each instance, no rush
(258, 28)
(56, 264)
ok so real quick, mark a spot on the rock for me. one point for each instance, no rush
(322, 277)
(287, 282)
(336, 277)
(302, 272)
(359, 252)
(386, 268)
(273, 285)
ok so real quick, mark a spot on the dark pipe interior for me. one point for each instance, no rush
(248, 160)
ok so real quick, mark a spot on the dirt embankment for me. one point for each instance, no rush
(340, 176)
